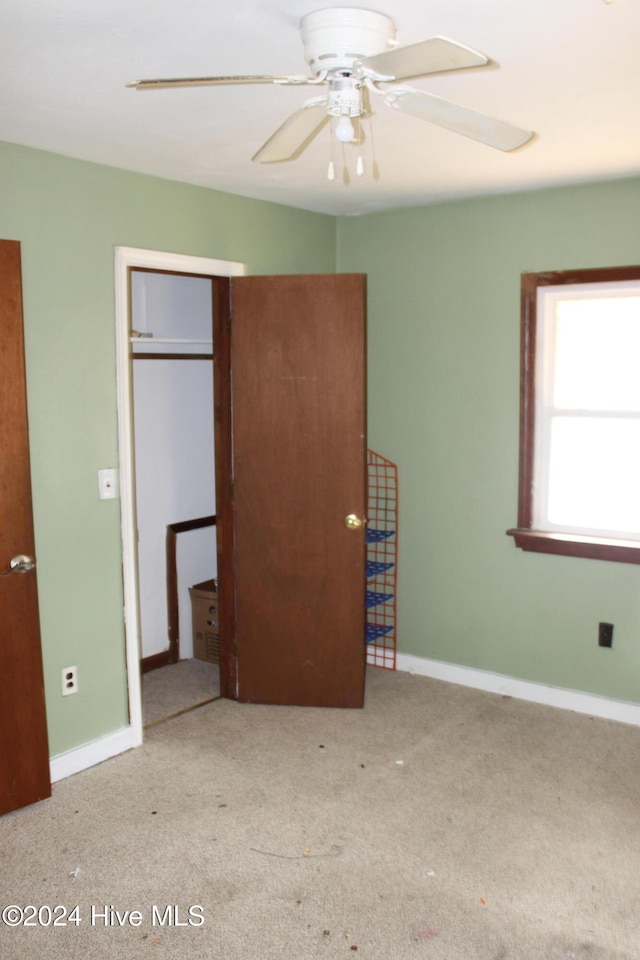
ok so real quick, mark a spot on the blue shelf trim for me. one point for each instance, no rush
(373, 598)
(374, 568)
(376, 630)
(374, 536)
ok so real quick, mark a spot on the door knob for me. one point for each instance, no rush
(353, 522)
(19, 564)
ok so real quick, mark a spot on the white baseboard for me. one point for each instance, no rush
(81, 758)
(591, 704)
(73, 761)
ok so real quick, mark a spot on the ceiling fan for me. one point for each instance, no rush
(352, 52)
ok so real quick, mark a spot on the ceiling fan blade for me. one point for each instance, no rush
(296, 132)
(459, 119)
(435, 55)
(211, 81)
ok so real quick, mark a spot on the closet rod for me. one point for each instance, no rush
(136, 337)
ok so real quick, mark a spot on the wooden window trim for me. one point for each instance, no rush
(540, 541)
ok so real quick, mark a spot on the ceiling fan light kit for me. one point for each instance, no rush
(353, 53)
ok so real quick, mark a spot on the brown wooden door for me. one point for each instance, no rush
(299, 468)
(24, 754)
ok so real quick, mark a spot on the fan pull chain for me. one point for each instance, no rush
(360, 141)
(331, 169)
(375, 171)
(346, 176)
(360, 162)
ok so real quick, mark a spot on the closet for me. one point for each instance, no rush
(172, 379)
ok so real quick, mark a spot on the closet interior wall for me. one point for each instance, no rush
(172, 375)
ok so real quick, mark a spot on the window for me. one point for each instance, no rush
(579, 489)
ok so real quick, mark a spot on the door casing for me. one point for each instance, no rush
(127, 258)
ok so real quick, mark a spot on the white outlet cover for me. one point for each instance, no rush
(69, 680)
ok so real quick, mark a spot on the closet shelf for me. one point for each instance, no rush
(148, 340)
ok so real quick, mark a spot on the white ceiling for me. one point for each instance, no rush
(568, 69)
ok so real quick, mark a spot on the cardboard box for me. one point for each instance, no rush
(204, 614)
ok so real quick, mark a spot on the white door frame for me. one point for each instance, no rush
(125, 259)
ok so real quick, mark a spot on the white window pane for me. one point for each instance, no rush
(594, 474)
(597, 348)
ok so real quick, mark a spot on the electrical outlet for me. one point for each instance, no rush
(69, 681)
(605, 634)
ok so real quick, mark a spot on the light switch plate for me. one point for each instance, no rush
(107, 484)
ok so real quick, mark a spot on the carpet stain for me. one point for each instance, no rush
(427, 934)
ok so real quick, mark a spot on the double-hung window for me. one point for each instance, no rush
(580, 414)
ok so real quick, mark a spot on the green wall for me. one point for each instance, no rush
(444, 332)
(443, 402)
(69, 216)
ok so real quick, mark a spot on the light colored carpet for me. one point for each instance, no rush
(180, 686)
(439, 822)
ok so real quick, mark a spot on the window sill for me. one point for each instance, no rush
(571, 545)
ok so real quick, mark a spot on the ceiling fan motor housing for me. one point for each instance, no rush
(335, 39)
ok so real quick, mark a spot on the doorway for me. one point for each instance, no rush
(145, 281)
(290, 465)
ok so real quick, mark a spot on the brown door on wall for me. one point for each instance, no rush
(297, 358)
(24, 754)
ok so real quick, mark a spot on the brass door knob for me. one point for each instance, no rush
(352, 522)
